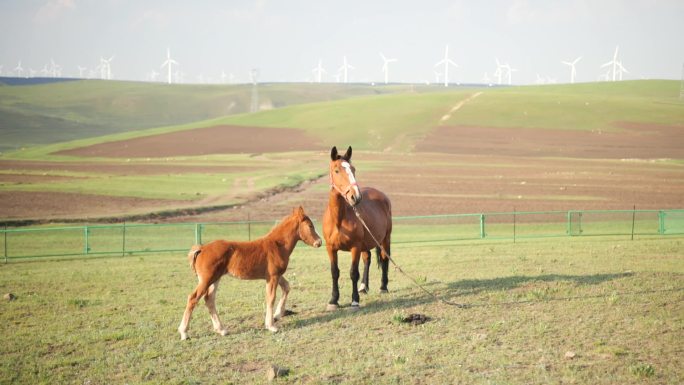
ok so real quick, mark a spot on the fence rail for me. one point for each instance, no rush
(127, 238)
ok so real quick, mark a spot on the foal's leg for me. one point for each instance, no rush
(280, 310)
(199, 292)
(210, 301)
(271, 286)
(363, 288)
(354, 275)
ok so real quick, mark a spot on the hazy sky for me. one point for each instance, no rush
(285, 39)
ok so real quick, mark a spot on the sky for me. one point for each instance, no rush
(285, 39)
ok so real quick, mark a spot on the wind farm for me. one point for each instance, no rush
(502, 75)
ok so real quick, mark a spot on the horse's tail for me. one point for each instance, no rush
(192, 255)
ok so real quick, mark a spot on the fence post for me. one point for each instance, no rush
(579, 222)
(86, 246)
(5, 242)
(633, 220)
(482, 226)
(123, 240)
(513, 224)
(198, 233)
(661, 222)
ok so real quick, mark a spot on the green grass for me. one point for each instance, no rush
(589, 106)
(49, 113)
(394, 120)
(259, 174)
(367, 123)
(616, 305)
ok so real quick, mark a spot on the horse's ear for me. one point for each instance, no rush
(333, 153)
(347, 155)
(298, 212)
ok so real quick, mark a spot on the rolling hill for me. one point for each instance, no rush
(38, 114)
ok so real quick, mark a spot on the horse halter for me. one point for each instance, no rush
(350, 175)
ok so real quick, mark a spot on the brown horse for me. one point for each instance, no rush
(265, 258)
(342, 230)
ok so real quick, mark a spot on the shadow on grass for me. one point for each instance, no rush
(457, 288)
(475, 286)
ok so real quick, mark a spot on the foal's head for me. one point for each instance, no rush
(305, 228)
(342, 176)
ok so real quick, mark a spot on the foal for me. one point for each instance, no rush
(265, 258)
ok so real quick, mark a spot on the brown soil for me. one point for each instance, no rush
(454, 170)
(203, 141)
(632, 140)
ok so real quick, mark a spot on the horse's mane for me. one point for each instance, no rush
(282, 223)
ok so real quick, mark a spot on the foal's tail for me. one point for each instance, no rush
(192, 255)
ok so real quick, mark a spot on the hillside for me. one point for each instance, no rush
(57, 112)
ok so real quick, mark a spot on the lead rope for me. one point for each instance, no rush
(432, 294)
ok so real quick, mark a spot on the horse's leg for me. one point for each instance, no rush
(384, 264)
(363, 288)
(354, 275)
(199, 292)
(280, 309)
(271, 286)
(210, 301)
(335, 272)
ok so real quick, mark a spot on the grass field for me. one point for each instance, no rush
(588, 106)
(58, 112)
(598, 310)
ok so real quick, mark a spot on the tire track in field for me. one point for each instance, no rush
(458, 106)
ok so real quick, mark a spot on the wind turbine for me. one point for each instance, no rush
(498, 73)
(446, 61)
(540, 80)
(509, 71)
(437, 75)
(318, 71)
(621, 70)
(345, 67)
(153, 76)
(169, 63)
(573, 72)
(54, 68)
(19, 69)
(613, 63)
(385, 66)
(486, 80)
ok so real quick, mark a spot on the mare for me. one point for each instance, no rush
(342, 230)
(264, 258)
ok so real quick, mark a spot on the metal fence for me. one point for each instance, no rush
(126, 239)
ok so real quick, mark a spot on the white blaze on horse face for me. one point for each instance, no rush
(352, 181)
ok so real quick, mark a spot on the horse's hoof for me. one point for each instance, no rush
(384, 291)
(184, 337)
(222, 332)
(272, 329)
(331, 307)
(354, 306)
(363, 289)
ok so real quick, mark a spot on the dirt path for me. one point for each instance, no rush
(458, 106)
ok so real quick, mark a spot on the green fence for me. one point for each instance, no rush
(124, 239)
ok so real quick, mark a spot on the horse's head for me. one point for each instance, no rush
(305, 228)
(342, 176)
